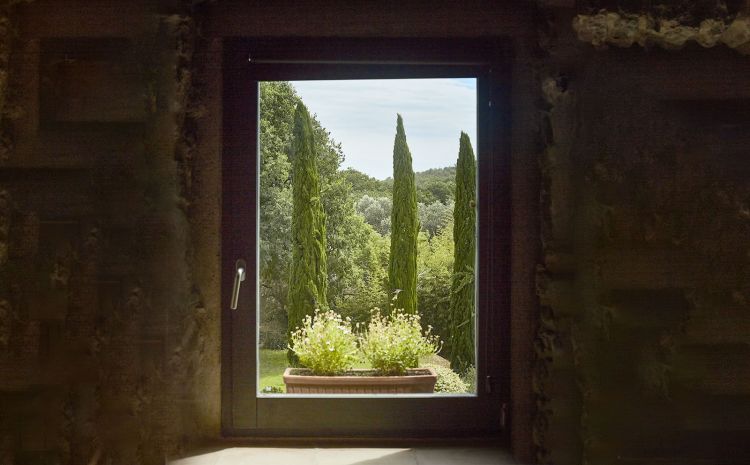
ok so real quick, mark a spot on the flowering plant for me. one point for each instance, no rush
(325, 343)
(393, 344)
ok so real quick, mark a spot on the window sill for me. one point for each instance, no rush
(350, 456)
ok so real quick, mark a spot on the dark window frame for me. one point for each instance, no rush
(247, 61)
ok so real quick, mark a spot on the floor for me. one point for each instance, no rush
(353, 456)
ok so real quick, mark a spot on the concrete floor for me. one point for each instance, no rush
(351, 456)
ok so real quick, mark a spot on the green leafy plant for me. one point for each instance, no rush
(272, 390)
(325, 343)
(393, 344)
(470, 378)
(448, 381)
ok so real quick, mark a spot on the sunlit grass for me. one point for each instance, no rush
(272, 366)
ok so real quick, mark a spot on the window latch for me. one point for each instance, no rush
(239, 276)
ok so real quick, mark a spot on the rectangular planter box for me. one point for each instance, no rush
(418, 380)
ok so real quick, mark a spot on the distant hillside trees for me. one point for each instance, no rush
(376, 212)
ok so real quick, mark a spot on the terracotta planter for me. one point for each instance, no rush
(418, 380)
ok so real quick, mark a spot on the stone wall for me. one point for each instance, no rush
(644, 320)
(109, 267)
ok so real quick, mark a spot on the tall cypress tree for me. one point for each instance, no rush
(309, 275)
(402, 266)
(464, 253)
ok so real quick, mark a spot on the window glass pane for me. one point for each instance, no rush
(368, 199)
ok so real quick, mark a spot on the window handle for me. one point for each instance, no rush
(239, 276)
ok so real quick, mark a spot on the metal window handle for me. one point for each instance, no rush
(239, 276)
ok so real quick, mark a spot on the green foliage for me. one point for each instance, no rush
(362, 184)
(277, 103)
(436, 185)
(272, 390)
(469, 377)
(376, 211)
(356, 266)
(308, 281)
(358, 213)
(435, 266)
(448, 381)
(433, 185)
(271, 334)
(394, 343)
(435, 216)
(370, 283)
(440, 190)
(325, 343)
(402, 266)
(464, 237)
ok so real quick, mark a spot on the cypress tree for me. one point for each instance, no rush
(402, 266)
(308, 277)
(464, 253)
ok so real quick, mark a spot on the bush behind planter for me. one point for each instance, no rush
(449, 382)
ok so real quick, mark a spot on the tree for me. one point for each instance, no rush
(277, 104)
(402, 266)
(357, 277)
(464, 230)
(308, 279)
(435, 216)
(441, 190)
(435, 271)
(363, 184)
(376, 212)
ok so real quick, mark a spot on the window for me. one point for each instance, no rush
(247, 64)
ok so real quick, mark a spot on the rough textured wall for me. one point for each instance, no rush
(108, 265)
(110, 206)
(644, 337)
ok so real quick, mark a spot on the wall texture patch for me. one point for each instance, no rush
(625, 30)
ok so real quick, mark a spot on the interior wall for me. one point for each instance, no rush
(630, 212)
(110, 233)
(111, 207)
(643, 337)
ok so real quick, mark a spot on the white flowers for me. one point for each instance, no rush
(326, 344)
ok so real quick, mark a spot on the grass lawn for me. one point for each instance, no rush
(272, 366)
(273, 363)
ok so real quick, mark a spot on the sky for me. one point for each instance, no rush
(361, 115)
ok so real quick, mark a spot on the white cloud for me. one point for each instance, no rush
(361, 114)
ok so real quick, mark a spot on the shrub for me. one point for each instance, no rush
(325, 343)
(470, 378)
(393, 344)
(272, 339)
(272, 390)
(448, 381)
